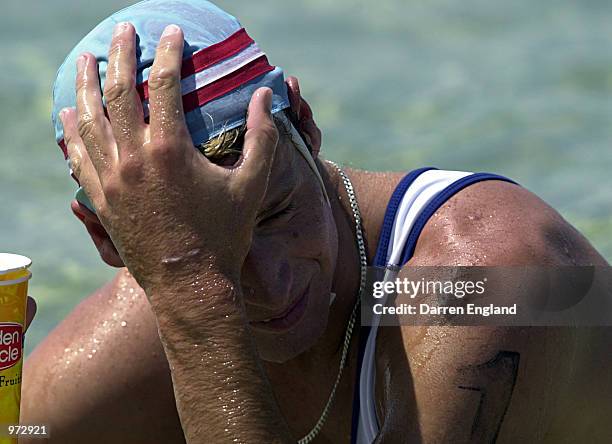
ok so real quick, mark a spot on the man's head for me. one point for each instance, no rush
(287, 276)
(288, 272)
(222, 66)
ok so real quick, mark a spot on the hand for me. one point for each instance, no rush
(169, 210)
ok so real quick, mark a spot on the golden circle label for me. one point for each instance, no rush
(11, 336)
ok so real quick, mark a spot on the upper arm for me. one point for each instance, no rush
(488, 384)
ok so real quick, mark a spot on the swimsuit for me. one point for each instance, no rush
(415, 199)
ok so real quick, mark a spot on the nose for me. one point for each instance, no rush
(266, 278)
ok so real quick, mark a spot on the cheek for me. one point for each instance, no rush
(313, 233)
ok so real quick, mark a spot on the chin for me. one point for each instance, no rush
(280, 347)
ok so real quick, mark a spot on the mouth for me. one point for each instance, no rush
(288, 319)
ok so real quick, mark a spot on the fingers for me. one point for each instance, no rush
(80, 162)
(309, 129)
(165, 100)
(122, 101)
(30, 311)
(260, 139)
(92, 125)
(293, 89)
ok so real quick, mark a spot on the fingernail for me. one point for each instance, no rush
(81, 62)
(267, 93)
(169, 30)
(119, 28)
(62, 113)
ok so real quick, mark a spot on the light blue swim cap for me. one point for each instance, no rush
(222, 65)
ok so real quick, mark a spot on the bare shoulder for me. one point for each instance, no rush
(509, 384)
(500, 223)
(106, 352)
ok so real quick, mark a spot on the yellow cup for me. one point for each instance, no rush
(14, 276)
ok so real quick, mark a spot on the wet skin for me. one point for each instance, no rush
(103, 375)
(419, 369)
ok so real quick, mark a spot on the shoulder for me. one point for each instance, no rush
(500, 223)
(490, 223)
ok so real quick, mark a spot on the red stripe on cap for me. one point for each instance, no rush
(216, 89)
(226, 84)
(62, 145)
(212, 55)
(207, 57)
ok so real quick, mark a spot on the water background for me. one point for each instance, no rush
(519, 88)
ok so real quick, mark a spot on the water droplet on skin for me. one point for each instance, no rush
(171, 260)
(175, 259)
(123, 323)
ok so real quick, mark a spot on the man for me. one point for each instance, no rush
(234, 321)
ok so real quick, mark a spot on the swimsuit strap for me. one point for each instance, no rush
(415, 199)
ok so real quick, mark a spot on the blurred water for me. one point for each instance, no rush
(520, 88)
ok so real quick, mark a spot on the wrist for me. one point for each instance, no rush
(207, 305)
(183, 274)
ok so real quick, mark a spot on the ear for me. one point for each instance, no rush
(98, 234)
(306, 124)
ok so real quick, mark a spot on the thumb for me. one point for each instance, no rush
(30, 311)
(260, 140)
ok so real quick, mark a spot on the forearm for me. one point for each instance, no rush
(221, 390)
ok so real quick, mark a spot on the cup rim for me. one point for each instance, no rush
(16, 281)
(10, 262)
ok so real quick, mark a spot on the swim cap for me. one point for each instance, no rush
(222, 66)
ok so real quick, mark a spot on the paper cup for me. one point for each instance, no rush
(14, 276)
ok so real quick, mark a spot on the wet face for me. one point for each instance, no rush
(288, 272)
